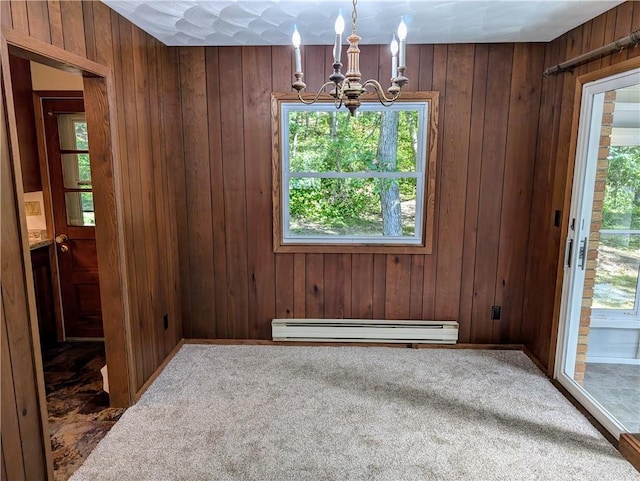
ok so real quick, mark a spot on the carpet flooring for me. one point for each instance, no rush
(351, 413)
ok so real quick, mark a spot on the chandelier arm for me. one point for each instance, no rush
(340, 88)
(347, 88)
(316, 97)
(384, 100)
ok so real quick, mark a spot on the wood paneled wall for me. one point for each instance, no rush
(149, 151)
(233, 283)
(24, 441)
(26, 124)
(553, 172)
(147, 101)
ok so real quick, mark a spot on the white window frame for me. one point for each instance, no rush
(417, 239)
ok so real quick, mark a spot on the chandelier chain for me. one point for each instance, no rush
(354, 17)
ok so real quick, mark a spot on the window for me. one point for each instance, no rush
(364, 183)
(76, 169)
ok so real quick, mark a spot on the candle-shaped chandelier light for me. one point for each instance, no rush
(347, 88)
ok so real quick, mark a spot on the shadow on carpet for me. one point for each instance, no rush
(352, 413)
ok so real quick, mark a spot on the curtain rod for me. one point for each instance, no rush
(620, 44)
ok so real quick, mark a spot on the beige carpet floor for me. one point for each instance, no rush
(274, 413)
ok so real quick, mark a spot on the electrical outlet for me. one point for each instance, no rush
(166, 321)
(495, 312)
(557, 218)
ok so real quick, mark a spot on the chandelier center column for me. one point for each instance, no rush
(353, 55)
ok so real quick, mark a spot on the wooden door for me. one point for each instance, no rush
(73, 212)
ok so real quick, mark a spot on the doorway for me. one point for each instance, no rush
(58, 197)
(97, 83)
(116, 345)
(599, 342)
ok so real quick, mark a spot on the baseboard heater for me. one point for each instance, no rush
(364, 330)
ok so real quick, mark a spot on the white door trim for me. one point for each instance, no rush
(581, 205)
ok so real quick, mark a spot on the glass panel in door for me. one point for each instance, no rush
(601, 358)
(80, 209)
(76, 169)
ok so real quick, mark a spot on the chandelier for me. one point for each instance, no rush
(346, 88)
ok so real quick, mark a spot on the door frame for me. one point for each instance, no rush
(608, 71)
(100, 101)
(581, 201)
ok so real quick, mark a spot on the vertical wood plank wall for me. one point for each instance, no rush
(24, 455)
(149, 151)
(194, 150)
(234, 284)
(541, 302)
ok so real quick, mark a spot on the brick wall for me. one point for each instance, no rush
(594, 237)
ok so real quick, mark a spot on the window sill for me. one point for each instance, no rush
(352, 249)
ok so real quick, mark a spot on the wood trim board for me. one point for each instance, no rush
(629, 447)
(42, 52)
(18, 303)
(159, 370)
(415, 345)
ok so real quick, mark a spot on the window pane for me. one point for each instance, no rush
(621, 209)
(616, 281)
(72, 131)
(336, 142)
(352, 207)
(82, 140)
(76, 171)
(79, 208)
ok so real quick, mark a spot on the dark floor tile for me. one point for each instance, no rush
(79, 412)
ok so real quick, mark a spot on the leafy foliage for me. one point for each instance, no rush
(82, 137)
(84, 170)
(621, 208)
(82, 143)
(322, 142)
(619, 254)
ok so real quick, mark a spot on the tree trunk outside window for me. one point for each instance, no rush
(389, 189)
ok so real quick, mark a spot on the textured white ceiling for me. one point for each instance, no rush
(249, 22)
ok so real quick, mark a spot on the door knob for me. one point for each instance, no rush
(61, 239)
(64, 248)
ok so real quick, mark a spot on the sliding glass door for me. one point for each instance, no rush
(599, 343)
